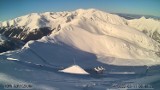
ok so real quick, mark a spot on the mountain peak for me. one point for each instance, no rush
(47, 19)
(87, 10)
(143, 17)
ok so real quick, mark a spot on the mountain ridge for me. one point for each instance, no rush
(94, 31)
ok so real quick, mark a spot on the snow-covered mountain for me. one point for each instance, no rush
(111, 38)
(30, 25)
(148, 26)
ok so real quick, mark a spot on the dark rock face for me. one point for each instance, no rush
(11, 44)
(17, 37)
(156, 36)
(158, 54)
(22, 34)
(37, 34)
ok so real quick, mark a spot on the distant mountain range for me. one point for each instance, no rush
(135, 16)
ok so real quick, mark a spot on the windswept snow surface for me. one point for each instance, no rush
(29, 69)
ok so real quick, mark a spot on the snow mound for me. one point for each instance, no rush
(74, 69)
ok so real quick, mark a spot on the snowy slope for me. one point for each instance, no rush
(93, 38)
(150, 25)
(105, 35)
(107, 46)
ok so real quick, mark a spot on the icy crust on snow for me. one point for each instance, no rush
(74, 69)
(150, 25)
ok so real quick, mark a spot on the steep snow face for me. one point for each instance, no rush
(131, 35)
(150, 25)
(94, 14)
(29, 21)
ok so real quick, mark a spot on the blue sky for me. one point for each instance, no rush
(10, 9)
